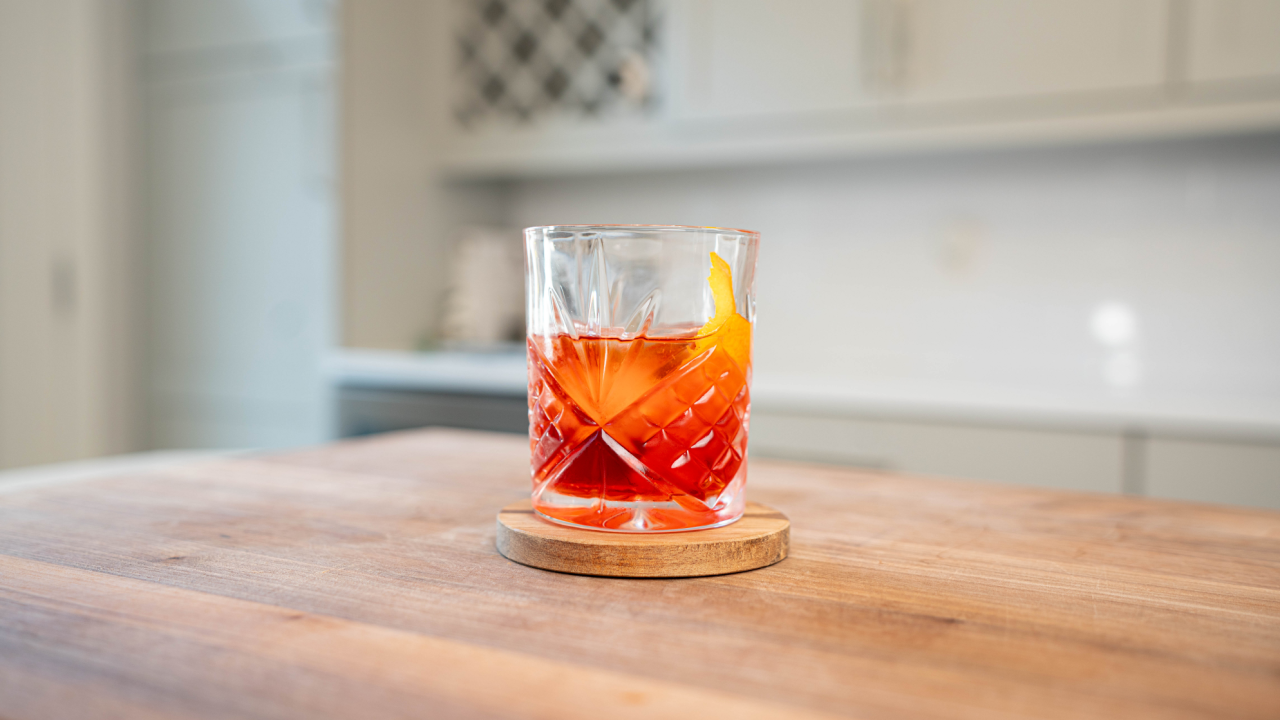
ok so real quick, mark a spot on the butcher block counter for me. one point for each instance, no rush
(360, 580)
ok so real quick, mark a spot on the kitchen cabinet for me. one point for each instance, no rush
(943, 50)
(753, 57)
(1236, 471)
(366, 411)
(1233, 40)
(733, 58)
(1220, 471)
(738, 82)
(69, 336)
(1044, 458)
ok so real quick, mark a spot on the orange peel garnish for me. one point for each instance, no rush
(721, 282)
(726, 329)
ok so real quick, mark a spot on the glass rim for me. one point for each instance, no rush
(708, 229)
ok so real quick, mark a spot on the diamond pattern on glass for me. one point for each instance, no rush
(525, 59)
(694, 443)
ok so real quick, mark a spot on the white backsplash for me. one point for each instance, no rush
(1146, 271)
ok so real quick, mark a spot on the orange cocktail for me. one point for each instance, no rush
(643, 431)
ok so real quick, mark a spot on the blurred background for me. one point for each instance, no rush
(1027, 242)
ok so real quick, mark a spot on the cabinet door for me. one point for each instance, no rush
(1237, 473)
(1055, 459)
(752, 57)
(1233, 40)
(972, 49)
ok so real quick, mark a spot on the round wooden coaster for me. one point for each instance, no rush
(762, 537)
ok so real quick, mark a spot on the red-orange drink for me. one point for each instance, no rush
(639, 341)
(648, 434)
(643, 433)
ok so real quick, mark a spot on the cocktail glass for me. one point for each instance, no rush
(639, 374)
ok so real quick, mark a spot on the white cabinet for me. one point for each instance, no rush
(1236, 473)
(753, 57)
(1233, 40)
(1057, 459)
(743, 81)
(1228, 471)
(968, 49)
(69, 336)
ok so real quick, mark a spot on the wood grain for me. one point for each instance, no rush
(361, 580)
(759, 538)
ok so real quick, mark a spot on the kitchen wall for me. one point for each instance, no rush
(1100, 317)
(1148, 271)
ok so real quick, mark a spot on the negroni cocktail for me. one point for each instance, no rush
(645, 430)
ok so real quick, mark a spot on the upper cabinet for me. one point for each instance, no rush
(551, 86)
(943, 50)
(752, 57)
(762, 57)
(1233, 40)
(520, 64)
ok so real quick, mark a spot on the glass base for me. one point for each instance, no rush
(637, 517)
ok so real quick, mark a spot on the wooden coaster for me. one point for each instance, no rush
(762, 537)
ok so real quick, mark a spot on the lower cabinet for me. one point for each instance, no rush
(365, 411)
(1236, 473)
(1066, 460)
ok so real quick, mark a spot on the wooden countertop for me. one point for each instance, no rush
(360, 580)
